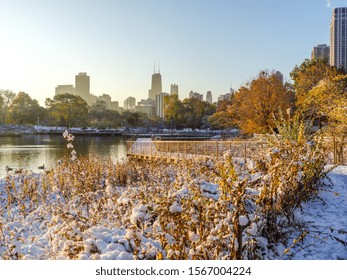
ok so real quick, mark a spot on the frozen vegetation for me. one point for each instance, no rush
(285, 204)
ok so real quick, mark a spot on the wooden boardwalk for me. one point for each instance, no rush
(146, 148)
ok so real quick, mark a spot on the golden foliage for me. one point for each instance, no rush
(256, 103)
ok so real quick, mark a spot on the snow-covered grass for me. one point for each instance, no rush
(98, 210)
(278, 206)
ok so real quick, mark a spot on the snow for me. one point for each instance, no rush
(243, 220)
(324, 216)
(253, 229)
(181, 193)
(175, 208)
(193, 237)
(138, 214)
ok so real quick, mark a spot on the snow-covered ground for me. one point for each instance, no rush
(37, 236)
(326, 218)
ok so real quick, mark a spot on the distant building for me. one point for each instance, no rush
(193, 94)
(209, 97)
(106, 98)
(82, 86)
(82, 89)
(146, 106)
(61, 89)
(338, 38)
(129, 103)
(114, 105)
(156, 86)
(160, 104)
(279, 75)
(92, 99)
(321, 51)
(224, 97)
(174, 89)
(111, 105)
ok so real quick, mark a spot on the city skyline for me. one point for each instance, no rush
(201, 45)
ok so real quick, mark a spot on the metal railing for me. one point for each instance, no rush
(192, 149)
(336, 152)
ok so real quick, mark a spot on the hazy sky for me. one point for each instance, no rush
(201, 44)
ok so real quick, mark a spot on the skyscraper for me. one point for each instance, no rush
(338, 38)
(160, 104)
(321, 51)
(209, 97)
(156, 87)
(82, 85)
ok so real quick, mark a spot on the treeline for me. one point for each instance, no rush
(63, 110)
(189, 113)
(317, 94)
(70, 110)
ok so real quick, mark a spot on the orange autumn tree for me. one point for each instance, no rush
(257, 103)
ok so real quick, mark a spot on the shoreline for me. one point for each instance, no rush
(164, 134)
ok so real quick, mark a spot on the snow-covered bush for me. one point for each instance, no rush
(291, 171)
(81, 210)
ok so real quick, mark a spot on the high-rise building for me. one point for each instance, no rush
(197, 95)
(338, 38)
(129, 103)
(321, 51)
(82, 86)
(279, 75)
(160, 104)
(209, 97)
(146, 106)
(174, 89)
(156, 87)
(82, 89)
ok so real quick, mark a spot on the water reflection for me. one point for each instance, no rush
(29, 152)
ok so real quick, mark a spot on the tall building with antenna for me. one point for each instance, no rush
(156, 86)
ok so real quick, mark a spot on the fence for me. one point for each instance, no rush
(146, 148)
(336, 151)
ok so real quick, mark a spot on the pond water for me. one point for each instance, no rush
(30, 151)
